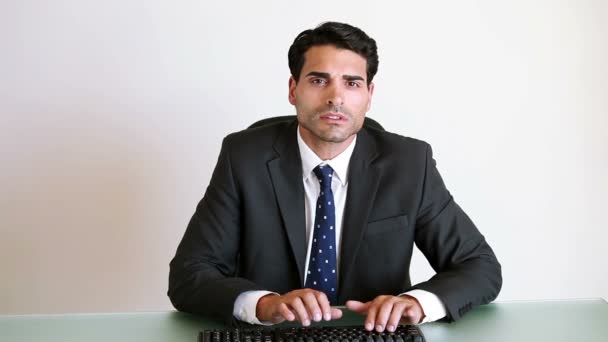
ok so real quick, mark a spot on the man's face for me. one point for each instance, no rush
(331, 97)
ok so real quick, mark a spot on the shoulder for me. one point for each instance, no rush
(265, 132)
(392, 145)
(261, 140)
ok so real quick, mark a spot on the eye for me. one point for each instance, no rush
(353, 84)
(318, 81)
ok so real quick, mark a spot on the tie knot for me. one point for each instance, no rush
(324, 173)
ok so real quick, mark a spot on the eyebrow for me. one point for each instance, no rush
(326, 75)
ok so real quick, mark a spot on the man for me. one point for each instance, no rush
(322, 211)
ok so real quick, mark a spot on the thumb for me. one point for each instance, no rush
(336, 313)
(357, 306)
(277, 318)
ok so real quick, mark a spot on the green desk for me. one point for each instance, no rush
(580, 320)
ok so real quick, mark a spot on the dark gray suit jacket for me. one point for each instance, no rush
(248, 231)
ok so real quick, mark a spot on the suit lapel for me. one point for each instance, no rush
(286, 174)
(363, 180)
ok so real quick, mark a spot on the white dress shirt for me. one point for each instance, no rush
(246, 302)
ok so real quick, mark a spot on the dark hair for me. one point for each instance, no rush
(342, 36)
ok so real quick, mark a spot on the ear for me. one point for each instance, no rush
(292, 90)
(371, 93)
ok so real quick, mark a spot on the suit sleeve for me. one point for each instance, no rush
(202, 273)
(468, 273)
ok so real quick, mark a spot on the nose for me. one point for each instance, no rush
(335, 95)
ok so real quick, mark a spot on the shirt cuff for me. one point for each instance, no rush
(431, 305)
(245, 305)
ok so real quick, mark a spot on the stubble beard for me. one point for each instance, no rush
(335, 133)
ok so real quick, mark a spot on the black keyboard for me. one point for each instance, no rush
(404, 333)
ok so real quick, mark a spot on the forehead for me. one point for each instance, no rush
(335, 61)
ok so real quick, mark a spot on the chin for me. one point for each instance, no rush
(335, 138)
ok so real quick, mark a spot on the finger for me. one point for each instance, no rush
(285, 313)
(384, 311)
(301, 313)
(396, 316)
(312, 306)
(325, 306)
(357, 306)
(370, 319)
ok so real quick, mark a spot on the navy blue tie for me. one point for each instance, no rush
(321, 271)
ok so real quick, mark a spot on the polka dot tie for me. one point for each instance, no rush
(321, 271)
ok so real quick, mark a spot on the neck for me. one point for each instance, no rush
(326, 150)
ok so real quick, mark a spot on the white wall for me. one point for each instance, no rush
(112, 113)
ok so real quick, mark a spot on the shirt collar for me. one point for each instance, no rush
(339, 164)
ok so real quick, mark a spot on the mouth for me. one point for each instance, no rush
(333, 117)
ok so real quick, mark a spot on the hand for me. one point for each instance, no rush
(302, 305)
(388, 311)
